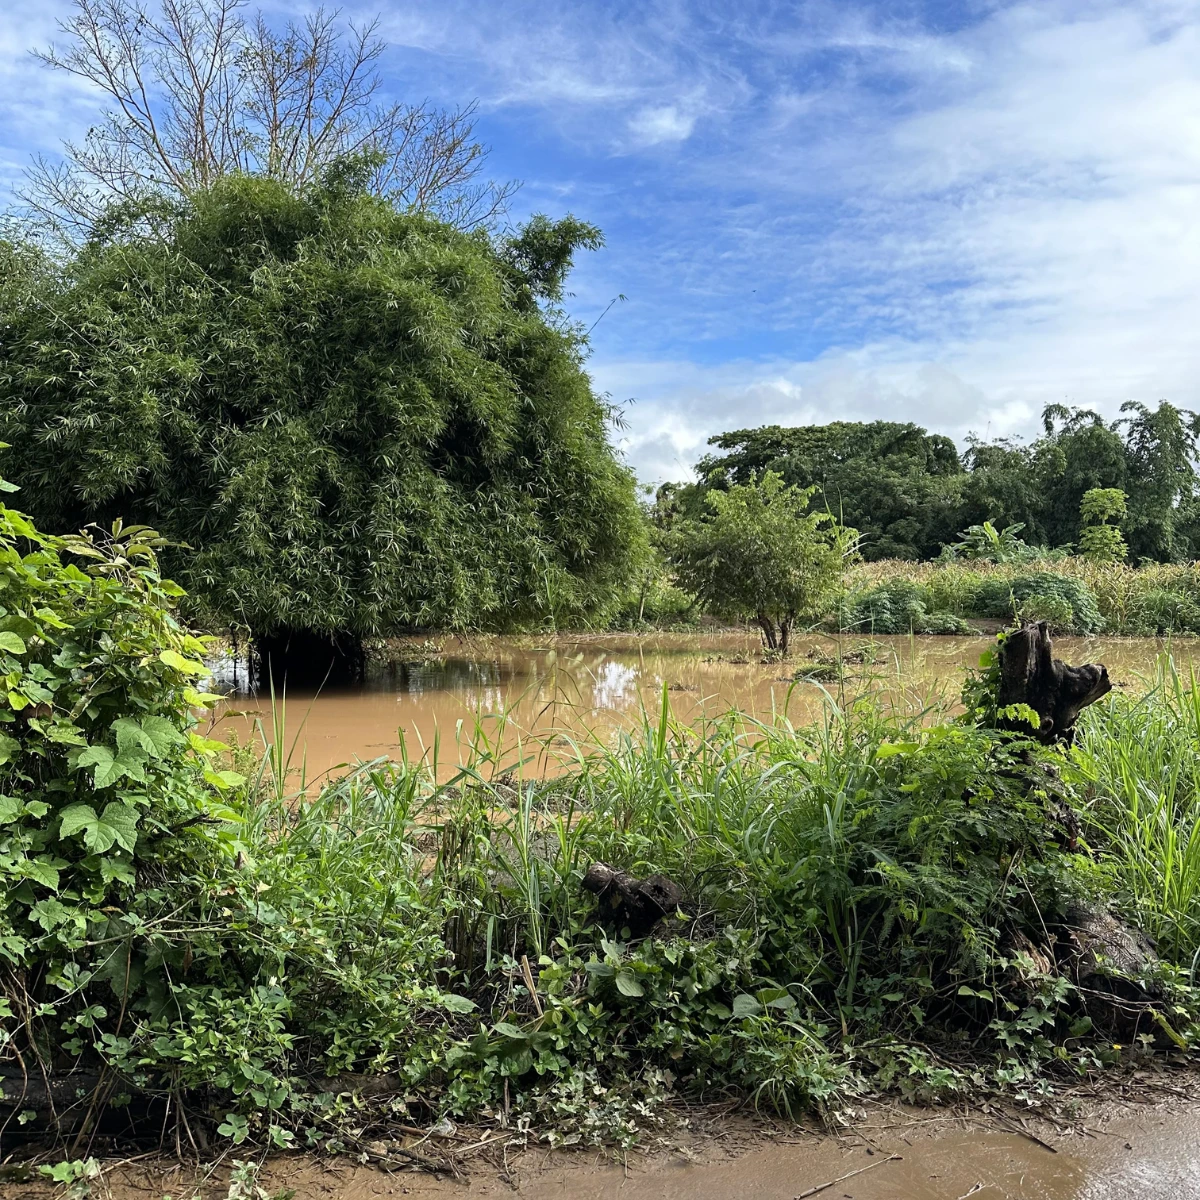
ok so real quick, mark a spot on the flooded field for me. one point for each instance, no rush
(533, 697)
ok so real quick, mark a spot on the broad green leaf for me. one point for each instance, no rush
(162, 735)
(509, 1030)
(49, 914)
(890, 749)
(129, 733)
(12, 643)
(107, 768)
(9, 748)
(187, 666)
(39, 871)
(131, 763)
(116, 826)
(116, 870)
(745, 1006)
(224, 779)
(75, 818)
(66, 734)
(628, 984)
(457, 1004)
(10, 809)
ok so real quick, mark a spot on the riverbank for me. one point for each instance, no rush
(1139, 1144)
(800, 917)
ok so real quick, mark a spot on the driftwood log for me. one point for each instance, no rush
(1030, 674)
(638, 904)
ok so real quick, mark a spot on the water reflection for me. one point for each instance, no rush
(571, 685)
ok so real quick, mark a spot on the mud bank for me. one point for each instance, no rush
(1139, 1151)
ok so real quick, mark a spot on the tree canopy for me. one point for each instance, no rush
(892, 481)
(347, 417)
(909, 492)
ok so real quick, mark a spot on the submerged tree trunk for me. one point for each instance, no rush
(1030, 675)
(785, 636)
(768, 628)
(304, 658)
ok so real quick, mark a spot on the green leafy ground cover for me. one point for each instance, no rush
(1074, 595)
(859, 891)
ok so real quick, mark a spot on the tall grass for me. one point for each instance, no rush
(1138, 767)
(853, 885)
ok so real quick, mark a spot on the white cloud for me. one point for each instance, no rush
(682, 405)
(827, 211)
(661, 124)
(1017, 230)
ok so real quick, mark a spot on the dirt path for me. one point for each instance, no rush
(1135, 1151)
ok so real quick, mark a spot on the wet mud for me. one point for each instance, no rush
(1146, 1151)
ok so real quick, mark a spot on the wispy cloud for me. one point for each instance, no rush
(820, 209)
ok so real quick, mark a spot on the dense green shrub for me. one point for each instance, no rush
(108, 794)
(106, 785)
(1160, 611)
(897, 606)
(1068, 601)
(345, 417)
(756, 552)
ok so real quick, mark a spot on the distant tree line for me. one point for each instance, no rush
(909, 492)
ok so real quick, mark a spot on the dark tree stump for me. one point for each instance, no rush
(637, 903)
(1109, 960)
(1029, 674)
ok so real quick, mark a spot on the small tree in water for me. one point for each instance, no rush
(758, 550)
(1099, 540)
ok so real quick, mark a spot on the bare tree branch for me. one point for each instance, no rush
(195, 90)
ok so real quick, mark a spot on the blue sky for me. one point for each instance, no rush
(952, 213)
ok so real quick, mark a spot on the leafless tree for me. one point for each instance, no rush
(200, 88)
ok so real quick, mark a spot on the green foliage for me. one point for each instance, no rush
(345, 418)
(986, 543)
(854, 889)
(898, 606)
(1136, 764)
(895, 483)
(1160, 612)
(757, 551)
(909, 491)
(110, 798)
(1065, 601)
(655, 598)
(1100, 541)
(103, 777)
(1100, 505)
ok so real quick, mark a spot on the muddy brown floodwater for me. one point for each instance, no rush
(567, 687)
